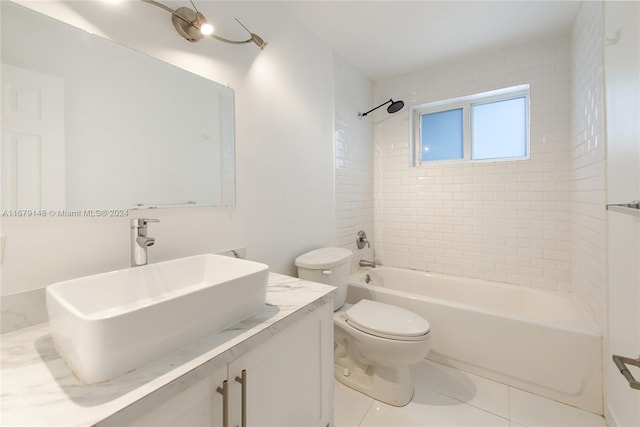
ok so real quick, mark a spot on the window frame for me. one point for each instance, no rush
(465, 103)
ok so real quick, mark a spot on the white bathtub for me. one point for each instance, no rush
(535, 340)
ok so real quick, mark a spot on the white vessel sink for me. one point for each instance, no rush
(108, 324)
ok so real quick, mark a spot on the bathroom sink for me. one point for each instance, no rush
(108, 324)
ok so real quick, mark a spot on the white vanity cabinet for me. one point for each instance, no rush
(198, 405)
(288, 381)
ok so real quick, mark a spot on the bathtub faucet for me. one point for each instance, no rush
(365, 263)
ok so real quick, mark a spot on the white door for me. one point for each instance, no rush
(198, 406)
(622, 86)
(289, 378)
(33, 155)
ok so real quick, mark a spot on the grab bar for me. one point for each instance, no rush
(621, 364)
(632, 208)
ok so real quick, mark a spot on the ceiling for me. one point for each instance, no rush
(390, 38)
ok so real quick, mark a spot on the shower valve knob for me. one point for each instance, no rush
(361, 240)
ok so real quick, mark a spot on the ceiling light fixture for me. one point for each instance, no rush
(193, 26)
(393, 108)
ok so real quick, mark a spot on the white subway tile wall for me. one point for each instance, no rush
(507, 221)
(588, 156)
(353, 155)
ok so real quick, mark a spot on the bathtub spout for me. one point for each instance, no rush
(365, 263)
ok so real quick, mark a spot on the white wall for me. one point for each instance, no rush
(588, 216)
(506, 221)
(354, 158)
(284, 150)
(622, 83)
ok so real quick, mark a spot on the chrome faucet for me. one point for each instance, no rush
(139, 241)
(365, 263)
(361, 240)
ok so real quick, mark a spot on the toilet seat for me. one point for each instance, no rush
(387, 321)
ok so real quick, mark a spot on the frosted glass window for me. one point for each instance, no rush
(487, 126)
(441, 135)
(499, 129)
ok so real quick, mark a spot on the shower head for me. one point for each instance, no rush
(393, 108)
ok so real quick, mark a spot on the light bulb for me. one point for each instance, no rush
(206, 29)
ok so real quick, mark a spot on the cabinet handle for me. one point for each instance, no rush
(224, 391)
(243, 380)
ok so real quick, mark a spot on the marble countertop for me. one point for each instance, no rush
(39, 389)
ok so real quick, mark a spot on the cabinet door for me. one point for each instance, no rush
(289, 378)
(198, 405)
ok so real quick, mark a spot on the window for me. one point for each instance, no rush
(487, 126)
(442, 135)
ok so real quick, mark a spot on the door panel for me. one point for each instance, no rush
(33, 150)
(286, 376)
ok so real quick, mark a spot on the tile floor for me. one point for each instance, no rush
(449, 397)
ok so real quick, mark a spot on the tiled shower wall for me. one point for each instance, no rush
(353, 156)
(505, 221)
(588, 156)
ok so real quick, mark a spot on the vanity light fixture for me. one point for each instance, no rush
(393, 108)
(193, 26)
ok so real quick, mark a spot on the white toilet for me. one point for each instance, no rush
(375, 344)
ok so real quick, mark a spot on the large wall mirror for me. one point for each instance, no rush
(90, 124)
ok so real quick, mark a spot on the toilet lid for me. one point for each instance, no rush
(387, 321)
(323, 258)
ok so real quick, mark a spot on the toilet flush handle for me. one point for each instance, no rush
(327, 272)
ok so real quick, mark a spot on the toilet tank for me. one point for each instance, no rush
(330, 266)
